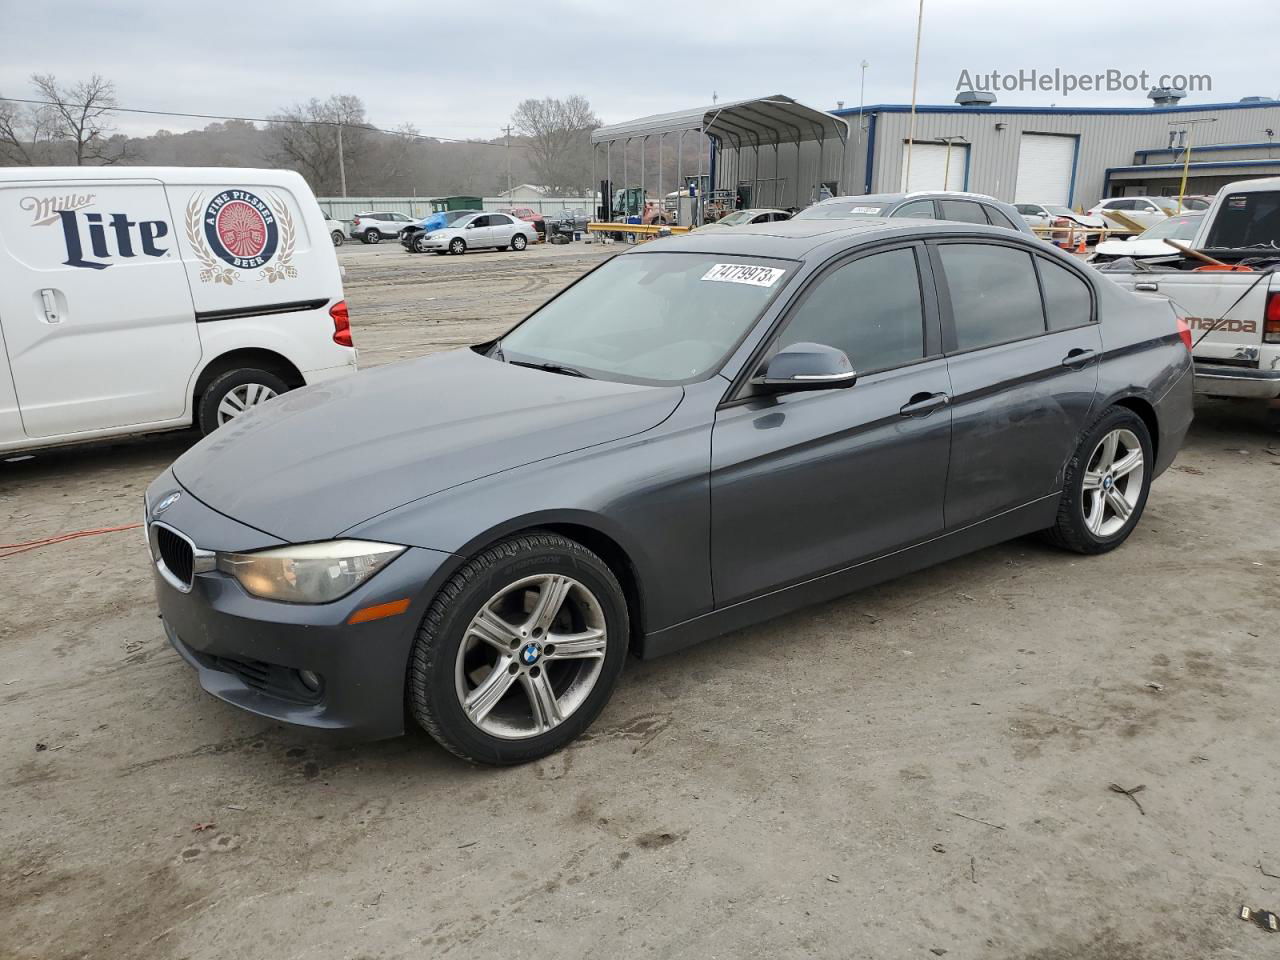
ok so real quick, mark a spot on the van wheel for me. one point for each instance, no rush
(336, 237)
(372, 236)
(457, 246)
(234, 392)
(520, 650)
(1106, 485)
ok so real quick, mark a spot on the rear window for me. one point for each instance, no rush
(1247, 220)
(841, 211)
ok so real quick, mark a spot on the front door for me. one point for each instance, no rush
(478, 232)
(1024, 350)
(807, 483)
(98, 319)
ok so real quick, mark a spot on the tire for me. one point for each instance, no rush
(336, 237)
(519, 242)
(238, 385)
(372, 236)
(1079, 528)
(457, 246)
(420, 243)
(450, 662)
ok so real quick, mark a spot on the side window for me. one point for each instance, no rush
(500, 220)
(994, 294)
(997, 218)
(870, 308)
(964, 211)
(1066, 296)
(916, 208)
(1120, 205)
(480, 222)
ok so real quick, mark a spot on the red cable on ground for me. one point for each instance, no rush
(16, 548)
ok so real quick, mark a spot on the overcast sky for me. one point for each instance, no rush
(459, 69)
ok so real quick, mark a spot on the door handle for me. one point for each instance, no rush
(49, 300)
(1077, 358)
(923, 404)
(1150, 286)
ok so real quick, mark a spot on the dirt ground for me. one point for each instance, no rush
(916, 769)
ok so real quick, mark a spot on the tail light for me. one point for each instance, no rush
(1183, 330)
(341, 324)
(355, 221)
(1271, 318)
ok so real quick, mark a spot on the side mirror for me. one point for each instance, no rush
(807, 366)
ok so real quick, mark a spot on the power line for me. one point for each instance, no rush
(216, 116)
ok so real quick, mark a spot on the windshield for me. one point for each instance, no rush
(658, 318)
(735, 218)
(840, 211)
(1178, 227)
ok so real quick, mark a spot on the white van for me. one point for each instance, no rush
(137, 299)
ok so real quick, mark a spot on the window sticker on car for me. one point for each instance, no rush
(744, 273)
(864, 210)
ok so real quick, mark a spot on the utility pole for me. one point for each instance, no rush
(507, 131)
(342, 164)
(946, 169)
(1186, 163)
(915, 77)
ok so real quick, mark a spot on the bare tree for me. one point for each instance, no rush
(80, 116)
(306, 136)
(559, 135)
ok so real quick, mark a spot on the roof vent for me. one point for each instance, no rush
(1257, 99)
(975, 98)
(1166, 96)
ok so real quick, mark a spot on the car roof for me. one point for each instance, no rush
(914, 194)
(1252, 186)
(797, 239)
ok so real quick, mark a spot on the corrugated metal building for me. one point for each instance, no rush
(1071, 155)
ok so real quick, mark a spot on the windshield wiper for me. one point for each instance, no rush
(550, 368)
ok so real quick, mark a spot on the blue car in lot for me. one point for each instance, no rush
(410, 236)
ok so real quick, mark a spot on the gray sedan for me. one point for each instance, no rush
(698, 435)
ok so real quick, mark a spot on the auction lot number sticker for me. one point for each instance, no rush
(744, 273)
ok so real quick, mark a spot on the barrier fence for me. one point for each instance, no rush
(344, 208)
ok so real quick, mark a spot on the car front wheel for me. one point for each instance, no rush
(520, 651)
(518, 242)
(457, 246)
(420, 243)
(1106, 484)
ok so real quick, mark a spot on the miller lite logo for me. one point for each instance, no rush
(94, 240)
(236, 231)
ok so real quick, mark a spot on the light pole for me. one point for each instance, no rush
(862, 99)
(507, 131)
(915, 78)
(1186, 163)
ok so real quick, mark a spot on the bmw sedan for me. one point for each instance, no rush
(699, 434)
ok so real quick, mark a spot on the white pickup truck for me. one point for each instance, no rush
(1234, 316)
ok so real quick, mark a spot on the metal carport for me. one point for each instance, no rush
(743, 125)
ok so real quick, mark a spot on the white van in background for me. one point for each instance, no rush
(137, 299)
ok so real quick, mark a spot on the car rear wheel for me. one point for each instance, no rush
(235, 392)
(518, 242)
(372, 236)
(1106, 485)
(457, 246)
(520, 650)
(336, 237)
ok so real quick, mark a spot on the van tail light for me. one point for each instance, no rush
(341, 324)
(1271, 318)
(1183, 330)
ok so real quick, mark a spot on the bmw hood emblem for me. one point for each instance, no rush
(531, 653)
(167, 502)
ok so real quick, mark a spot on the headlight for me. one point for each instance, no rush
(308, 572)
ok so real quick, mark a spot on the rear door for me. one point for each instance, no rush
(502, 228)
(806, 483)
(98, 320)
(1023, 349)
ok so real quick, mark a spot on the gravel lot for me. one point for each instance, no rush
(919, 767)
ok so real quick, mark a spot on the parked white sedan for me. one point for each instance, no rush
(1056, 215)
(480, 230)
(1150, 243)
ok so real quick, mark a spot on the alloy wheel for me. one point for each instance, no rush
(1112, 483)
(531, 656)
(241, 398)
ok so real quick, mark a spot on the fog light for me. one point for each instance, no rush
(310, 680)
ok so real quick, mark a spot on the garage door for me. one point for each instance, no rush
(1044, 169)
(929, 167)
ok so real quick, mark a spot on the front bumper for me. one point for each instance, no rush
(1226, 380)
(248, 651)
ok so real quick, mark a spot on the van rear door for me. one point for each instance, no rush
(98, 320)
